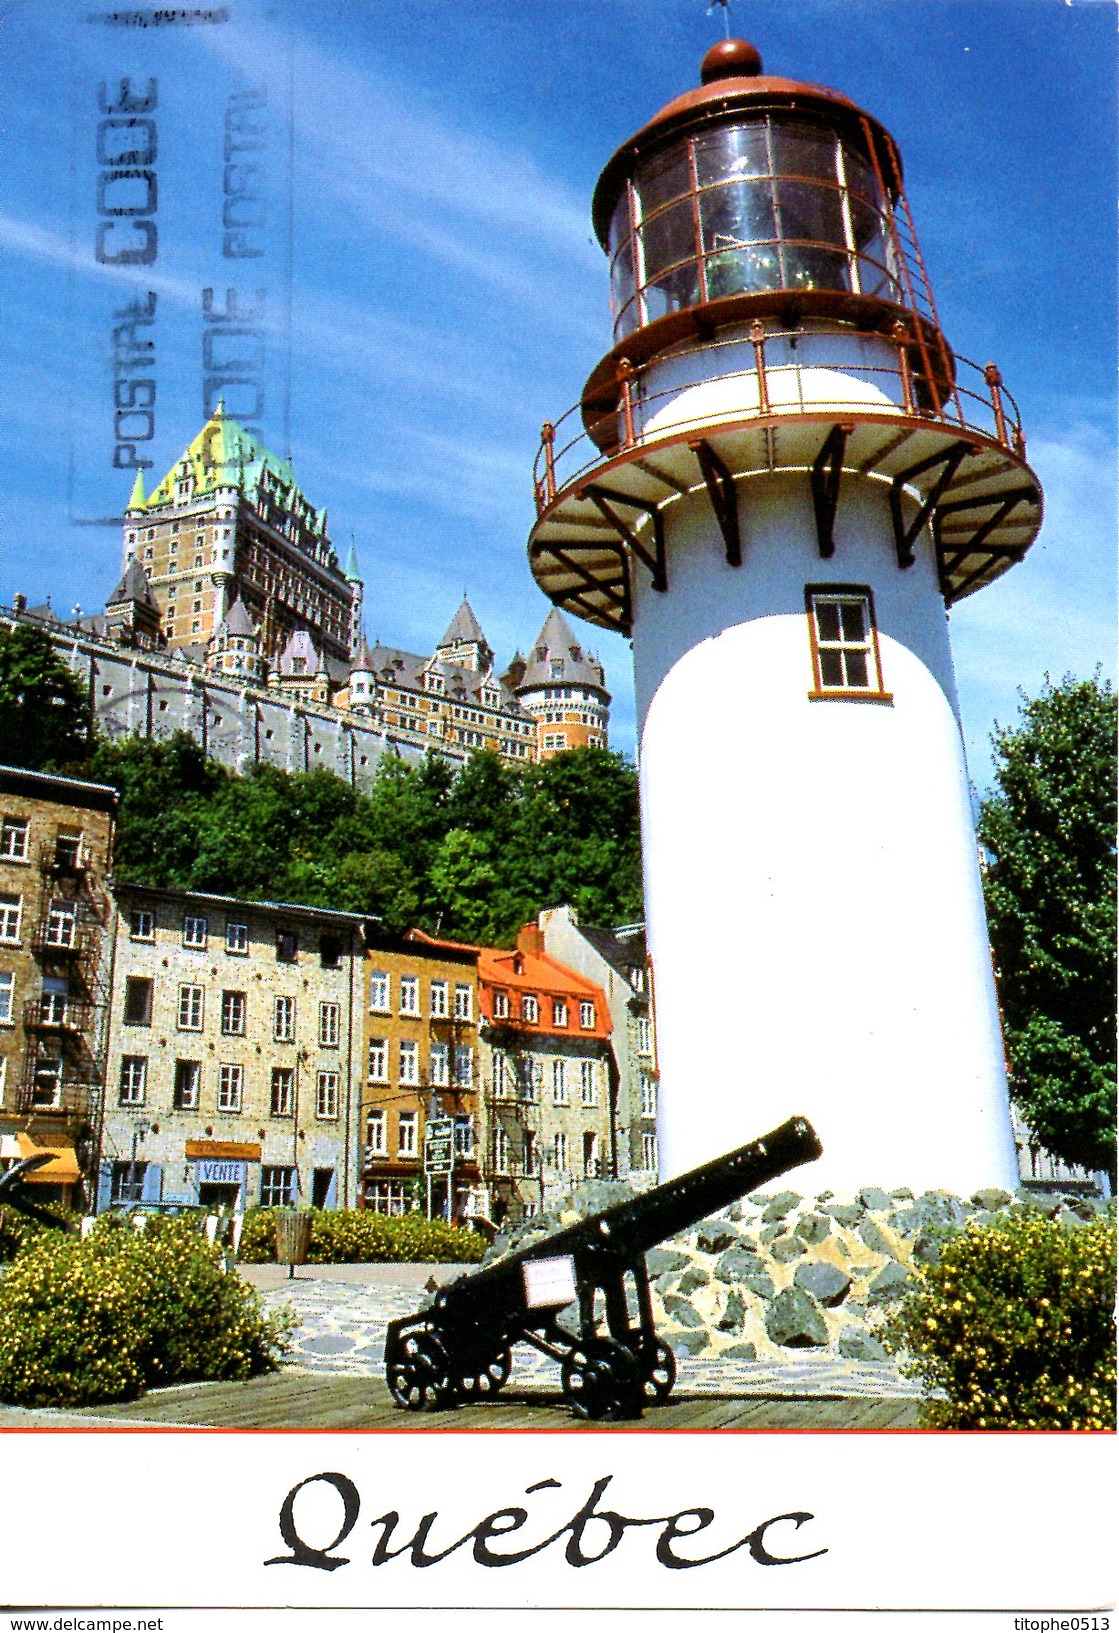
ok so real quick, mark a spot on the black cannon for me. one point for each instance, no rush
(459, 1347)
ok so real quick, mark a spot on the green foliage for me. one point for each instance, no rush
(471, 855)
(359, 1236)
(1014, 1325)
(1050, 892)
(122, 1311)
(44, 713)
(17, 1229)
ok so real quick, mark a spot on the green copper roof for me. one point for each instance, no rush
(224, 454)
(353, 571)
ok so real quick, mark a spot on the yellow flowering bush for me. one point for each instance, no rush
(360, 1236)
(1014, 1325)
(123, 1311)
(17, 1228)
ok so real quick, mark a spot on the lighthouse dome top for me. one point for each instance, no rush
(733, 83)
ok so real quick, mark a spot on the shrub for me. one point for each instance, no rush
(359, 1236)
(106, 1318)
(16, 1229)
(1014, 1325)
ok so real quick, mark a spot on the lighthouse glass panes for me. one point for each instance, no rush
(773, 204)
(844, 641)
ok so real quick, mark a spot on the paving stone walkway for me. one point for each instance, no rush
(342, 1331)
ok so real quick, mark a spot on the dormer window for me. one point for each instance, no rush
(555, 669)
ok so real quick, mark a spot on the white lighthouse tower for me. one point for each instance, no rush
(776, 481)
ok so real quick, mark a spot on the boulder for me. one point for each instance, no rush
(795, 1321)
(876, 1239)
(786, 1249)
(857, 1345)
(660, 1260)
(734, 1312)
(812, 1227)
(769, 1233)
(740, 1352)
(697, 1276)
(714, 1235)
(682, 1311)
(991, 1197)
(888, 1284)
(844, 1213)
(826, 1282)
(687, 1343)
(779, 1205)
(739, 1267)
(873, 1198)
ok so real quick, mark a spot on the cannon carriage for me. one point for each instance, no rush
(460, 1347)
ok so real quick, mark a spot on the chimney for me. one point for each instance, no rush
(530, 939)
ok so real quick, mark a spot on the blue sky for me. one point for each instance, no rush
(440, 294)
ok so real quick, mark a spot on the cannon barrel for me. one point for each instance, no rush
(628, 1229)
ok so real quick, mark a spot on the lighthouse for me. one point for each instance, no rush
(777, 482)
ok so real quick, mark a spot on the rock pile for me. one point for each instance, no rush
(779, 1272)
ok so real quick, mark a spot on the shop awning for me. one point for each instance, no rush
(63, 1170)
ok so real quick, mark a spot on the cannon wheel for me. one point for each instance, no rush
(493, 1377)
(658, 1372)
(601, 1380)
(420, 1378)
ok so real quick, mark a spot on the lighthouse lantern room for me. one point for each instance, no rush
(776, 481)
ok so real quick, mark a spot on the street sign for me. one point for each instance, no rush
(439, 1146)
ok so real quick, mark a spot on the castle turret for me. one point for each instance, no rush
(564, 688)
(465, 642)
(784, 476)
(234, 648)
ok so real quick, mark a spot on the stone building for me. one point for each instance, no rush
(227, 523)
(616, 959)
(421, 1061)
(234, 1062)
(56, 839)
(546, 1085)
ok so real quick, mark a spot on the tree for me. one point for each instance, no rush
(1049, 834)
(44, 713)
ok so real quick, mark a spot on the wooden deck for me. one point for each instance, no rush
(294, 1399)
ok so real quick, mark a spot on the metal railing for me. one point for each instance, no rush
(963, 395)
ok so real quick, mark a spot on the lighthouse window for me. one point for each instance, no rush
(844, 640)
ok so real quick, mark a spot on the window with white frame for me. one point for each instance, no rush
(283, 1091)
(559, 1082)
(11, 912)
(528, 1079)
(464, 1136)
(387, 1196)
(188, 1081)
(190, 1008)
(378, 1071)
(648, 1095)
(500, 1005)
(588, 1083)
(326, 1096)
(590, 1154)
(586, 1014)
(141, 924)
(195, 931)
(62, 923)
(330, 1022)
(277, 1186)
(528, 1151)
(46, 1085)
(133, 1079)
(409, 994)
(380, 991)
(464, 1066)
(440, 1065)
(283, 1025)
(407, 1133)
(844, 640)
(7, 997)
(438, 1000)
(236, 937)
(644, 1035)
(464, 1001)
(13, 840)
(530, 1008)
(55, 1003)
(231, 1084)
(500, 1074)
(375, 1136)
(559, 1152)
(501, 1150)
(409, 1061)
(559, 1012)
(233, 1014)
(127, 1183)
(649, 1155)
